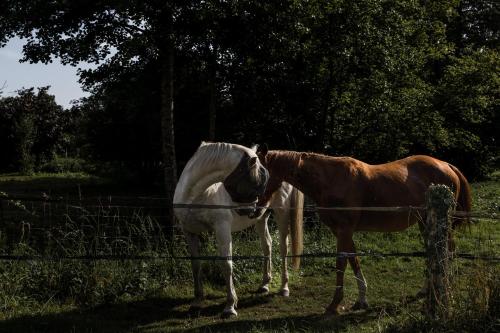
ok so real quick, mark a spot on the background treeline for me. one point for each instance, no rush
(373, 79)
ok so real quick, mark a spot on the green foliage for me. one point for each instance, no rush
(377, 80)
(64, 165)
(31, 129)
(469, 100)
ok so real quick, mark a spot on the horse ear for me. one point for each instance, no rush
(262, 149)
(252, 161)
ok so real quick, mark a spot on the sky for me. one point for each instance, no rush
(14, 75)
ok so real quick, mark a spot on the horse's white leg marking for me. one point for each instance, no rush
(193, 242)
(360, 280)
(224, 245)
(266, 244)
(362, 286)
(282, 219)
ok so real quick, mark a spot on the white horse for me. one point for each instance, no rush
(201, 183)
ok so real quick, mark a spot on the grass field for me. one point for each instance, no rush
(144, 296)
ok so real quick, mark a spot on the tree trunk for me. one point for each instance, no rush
(167, 126)
(324, 115)
(212, 111)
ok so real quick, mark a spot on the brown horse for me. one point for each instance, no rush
(345, 181)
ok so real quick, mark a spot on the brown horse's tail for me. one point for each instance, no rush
(296, 226)
(464, 200)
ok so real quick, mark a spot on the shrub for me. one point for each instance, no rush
(65, 164)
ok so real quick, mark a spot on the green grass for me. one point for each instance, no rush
(72, 184)
(154, 296)
(55, 184)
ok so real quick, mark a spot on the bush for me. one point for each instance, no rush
(66, 164)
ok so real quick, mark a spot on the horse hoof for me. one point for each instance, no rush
(263, 290)
(330, 311)
(228, 314)
(359, 306)
(284, 292)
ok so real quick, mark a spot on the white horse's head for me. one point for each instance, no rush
(244, 177)
(248, 180)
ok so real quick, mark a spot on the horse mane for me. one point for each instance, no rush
(282, 158)
(284, 162)
(211, 162)
(288, 155)
(209, 153)
(280, 161)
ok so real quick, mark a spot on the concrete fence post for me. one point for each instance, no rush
(440, 203)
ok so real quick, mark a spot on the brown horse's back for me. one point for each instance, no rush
(404, 183)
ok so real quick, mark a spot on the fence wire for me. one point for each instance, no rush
(416, 254)
(118, 228)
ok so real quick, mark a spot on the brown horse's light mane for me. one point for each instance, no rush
(278, 159)
(285, 155)
(284, 164)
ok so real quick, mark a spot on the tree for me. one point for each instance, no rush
(365, 78)
(116, 35)
(468, 98)
(31, 129)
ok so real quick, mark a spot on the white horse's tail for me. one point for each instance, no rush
(296, 225)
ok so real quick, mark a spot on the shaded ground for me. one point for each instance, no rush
(303, 310)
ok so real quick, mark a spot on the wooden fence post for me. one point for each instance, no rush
(440, 203)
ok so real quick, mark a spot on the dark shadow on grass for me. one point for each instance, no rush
(105, 318)
(289, 322)
(299, 322)
(121, 317)
(216, 309)
(171, 311)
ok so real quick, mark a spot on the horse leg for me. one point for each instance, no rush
(193, 242)
(361, 303)
(344, 246)
(266, 243)
(224, 245)
(283, 228)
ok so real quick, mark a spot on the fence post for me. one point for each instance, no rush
(440, 203)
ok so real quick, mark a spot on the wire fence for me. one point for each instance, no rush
(134, 228)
